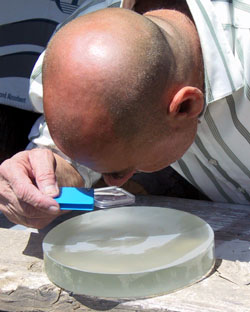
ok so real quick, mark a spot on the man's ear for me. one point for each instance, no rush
(187, 103)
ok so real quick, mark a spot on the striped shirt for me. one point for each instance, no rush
(218, 162)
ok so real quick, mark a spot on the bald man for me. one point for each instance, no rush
(124, 92)
(106, 117)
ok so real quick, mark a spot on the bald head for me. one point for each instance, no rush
(103, 77)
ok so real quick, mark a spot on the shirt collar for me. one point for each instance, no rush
(223, 73)
(128, 4)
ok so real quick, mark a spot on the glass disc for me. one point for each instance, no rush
(134, 251)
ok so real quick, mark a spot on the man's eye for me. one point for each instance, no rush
(115, 175)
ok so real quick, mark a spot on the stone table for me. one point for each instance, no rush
(25, 287)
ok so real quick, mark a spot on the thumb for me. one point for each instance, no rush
(43, 165)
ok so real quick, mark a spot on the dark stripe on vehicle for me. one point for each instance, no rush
(17, 64)
(37, 32)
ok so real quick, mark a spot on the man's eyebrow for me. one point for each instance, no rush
(116, 174)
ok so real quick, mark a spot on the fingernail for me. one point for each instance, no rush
(50, 190)
(54, 209)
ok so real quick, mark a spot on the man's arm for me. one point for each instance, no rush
(66, 174)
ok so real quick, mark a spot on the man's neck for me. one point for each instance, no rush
(143, 6)
(176, 25)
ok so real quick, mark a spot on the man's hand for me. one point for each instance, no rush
(28, 185)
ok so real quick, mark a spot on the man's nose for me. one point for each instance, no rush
(116, 179)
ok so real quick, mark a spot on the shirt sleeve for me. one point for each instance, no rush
(36, 87)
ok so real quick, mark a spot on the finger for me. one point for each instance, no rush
(37, 221)
(18, 187)
(22, 213)
(43, 165)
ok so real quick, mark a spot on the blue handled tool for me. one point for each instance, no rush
(76, 198)
(73, 198)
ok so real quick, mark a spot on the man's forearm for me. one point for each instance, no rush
(66, 174)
